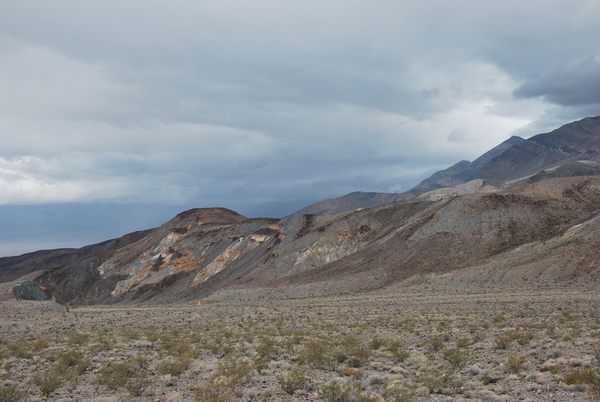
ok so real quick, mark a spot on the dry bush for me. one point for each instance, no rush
(116, 375)
(173, 366)
(515, 364)
(293, 381)
(48, 382)
(338, 391)
(11, 393)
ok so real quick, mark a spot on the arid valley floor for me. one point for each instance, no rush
(523, 346)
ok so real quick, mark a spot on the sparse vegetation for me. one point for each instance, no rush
(286, 351)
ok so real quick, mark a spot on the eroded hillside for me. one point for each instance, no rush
(216, 253)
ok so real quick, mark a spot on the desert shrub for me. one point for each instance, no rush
(103, 342)
(397, 350)
(37, 345)
(456, 358)
(116, 375)
(293, 381)
(70, 359)
(48, 382)
(587, 376)
(142, 360)
(338, 391)
(499, 318)
(131, 334)
(463, 342)
(173, 366)
(515, 364)
(266, 347)
(435, 343)
(261, 364)
(596, 353)
(435, 379)
(398, 392)
(137, 385)
(10, 393)
(213, 391)
(78, 339)
(19, 351)
(316, 353)
(236, 373)
(502, 341)
(377, 342)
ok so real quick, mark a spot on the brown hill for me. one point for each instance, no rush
(546, 232)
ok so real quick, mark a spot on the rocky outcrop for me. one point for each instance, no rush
(28, 290)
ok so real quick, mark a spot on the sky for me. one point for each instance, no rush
(266, 106)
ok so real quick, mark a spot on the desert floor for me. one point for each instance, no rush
(526, 346)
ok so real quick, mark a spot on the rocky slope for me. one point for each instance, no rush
(547, 232)
(12, 268)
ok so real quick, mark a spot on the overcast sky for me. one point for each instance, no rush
(230, 103)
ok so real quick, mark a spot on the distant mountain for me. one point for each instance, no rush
(572, 142)
(546, 232)
(513, 160)
(12, 268)
(463, 171)
(351, 202)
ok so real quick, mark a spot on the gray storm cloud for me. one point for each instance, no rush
(240, 103)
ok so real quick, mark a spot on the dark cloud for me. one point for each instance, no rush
(240, 103)
(570, 86)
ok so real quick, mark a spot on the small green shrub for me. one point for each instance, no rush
(236, 371)
(48, 382)
(116, 375)
(213, 391)
(456, 358)
(463, 342)
(338, 391)
(515, 364)
(19, 351)
(266, 347)
(173, 366)
(72, 359)
(78, 339)
(502, 341)
(10, 393)
(293, 381)
(397, 350)
(137, 385)
(435, 343)
(399, 393)
(316, 353)
(377, 342)
(587, 376)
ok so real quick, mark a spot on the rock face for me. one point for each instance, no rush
(28, 290)
(216, 253)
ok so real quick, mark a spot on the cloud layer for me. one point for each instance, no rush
(244, 103)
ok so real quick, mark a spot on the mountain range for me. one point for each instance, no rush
(524, 214)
